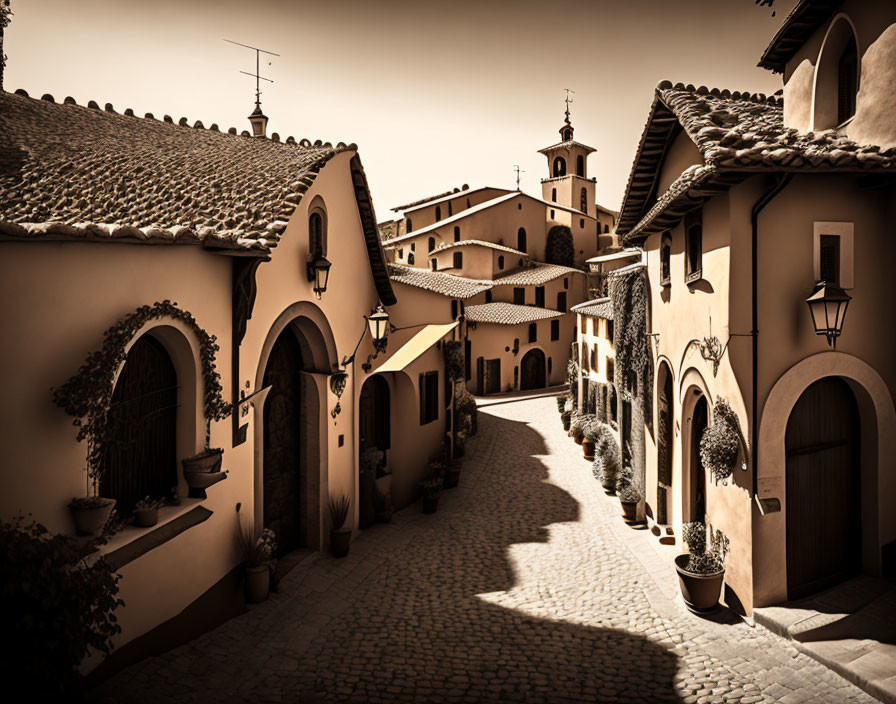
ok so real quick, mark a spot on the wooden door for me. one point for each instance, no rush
(699, 423)
(532, 374)
(282, 451)
(824, 541)
(493, 376)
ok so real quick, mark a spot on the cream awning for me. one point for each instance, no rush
(414, 347)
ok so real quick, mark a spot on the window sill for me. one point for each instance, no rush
(133, 542)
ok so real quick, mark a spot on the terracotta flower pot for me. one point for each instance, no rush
(609, 487)
(258, 583)
(146, 517)
(340, 541)
(588, 449)
(200, 481)
(566, 424)
(90, 519)
(700, 592)
(205, 461)
(629, 512)
(431, 503)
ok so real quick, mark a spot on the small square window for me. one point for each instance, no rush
(533, 332)
(833, 253)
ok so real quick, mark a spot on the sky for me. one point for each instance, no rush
(435, 94)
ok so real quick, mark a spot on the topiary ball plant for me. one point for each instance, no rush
(720, 443)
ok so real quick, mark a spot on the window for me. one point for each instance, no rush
(847, 74)
(833, 253)
(432, 243)
(519, 206)
(554, 194)
(450, 211)
(519, 296)
(584, 201)
(610, 330)
(561, 301)
(533, 332)
(552, 215)
(400, 253)
(429, 397)
(500, 261)
(580, 166)
(438, 212)
(550, 365)
(456, 233)
(458, 260)
(693, 232)
(434, 264)
(555, 330)
(559, 166)
(539, 296)
(566, 282)
(454, 310)
(567, 134)
(411, 258)
(606, 229)
(488, 296)
(521, 239)
(413, 246)
(666, 260)
(317, 231)
(581, 222)
(410, 227)
(611, 370)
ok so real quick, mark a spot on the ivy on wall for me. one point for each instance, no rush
(87, 396)
(628, 294)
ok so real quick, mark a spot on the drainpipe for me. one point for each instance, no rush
(758, 207)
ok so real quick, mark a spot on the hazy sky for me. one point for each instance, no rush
(436, 94)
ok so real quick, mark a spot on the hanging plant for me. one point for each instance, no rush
(720, 443)
(628, 294)
(87, 396)
(454, 360)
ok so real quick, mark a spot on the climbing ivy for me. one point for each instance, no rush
(628, 293)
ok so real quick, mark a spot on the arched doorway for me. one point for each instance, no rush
(824, 540)
(282, 447)
(141, 457)
(665, 439)
(699, 423)
(532, 374)
(521, 240)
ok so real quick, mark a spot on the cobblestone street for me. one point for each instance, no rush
(525, 586)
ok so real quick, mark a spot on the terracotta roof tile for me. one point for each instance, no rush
(508, 313)
(438, 282)
(68, 171)
(479, 243)
(598, 308)
(536, 275)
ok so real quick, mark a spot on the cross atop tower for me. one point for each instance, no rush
(568, 102)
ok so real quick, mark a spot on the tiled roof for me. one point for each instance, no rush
(536, 275)
(798, 26)
(438, 282)
(568, 143)
(465, 190)
(508, 313)
(455, 218)
(68, 171)
(737, 134)
(598, 308)
(429, 199)
(478, 243)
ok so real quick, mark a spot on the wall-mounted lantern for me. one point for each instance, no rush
(338, 381)
(319, 273)
(827, 305)
(378, 324)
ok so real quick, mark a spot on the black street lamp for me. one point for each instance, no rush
(378, 323)
(319, 273)
(827, 305)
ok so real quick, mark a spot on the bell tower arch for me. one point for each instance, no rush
(567, 181)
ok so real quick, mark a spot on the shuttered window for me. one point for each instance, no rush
(429, 397)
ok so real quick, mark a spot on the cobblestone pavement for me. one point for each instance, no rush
(525, 586)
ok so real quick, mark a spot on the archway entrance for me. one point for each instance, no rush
(665, 440)
(532, 374)
(824, 540)
(282, 447)
(699, 423)
(141, 458)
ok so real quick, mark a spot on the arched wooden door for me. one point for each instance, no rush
(141, 457)
(664, 446)
(824, 541)
(282, 447)
(532, 374)
(699, 423)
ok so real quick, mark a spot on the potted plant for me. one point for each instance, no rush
(606, 458)
(561, 404)
(628, 496)
(204, 468)
(146, 512)
(433, 486)
(720, 443)
(590, 439)
(701, 571)
(465, 402)
(258, 554)
(577, 427)
(566, 419)
(340, 535)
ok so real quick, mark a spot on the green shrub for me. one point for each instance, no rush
(58, 603)
(702, 560)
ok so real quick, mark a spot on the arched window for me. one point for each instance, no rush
(501, 261)
(141, 457)
(458, 260)
(450, 211)
(411, 258)
(438, 212)
(432, 243)
(554, 194)
(567, 134)
(847, 82)
(666, 260)
(559, 166)
(317, 235)
(457, 233)
(584, 205)
(580, 166)
(836, 77)
(433, 263)
(693, 230)
(410, 227)
(521, 239)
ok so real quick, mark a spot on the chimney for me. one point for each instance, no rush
(259, 122)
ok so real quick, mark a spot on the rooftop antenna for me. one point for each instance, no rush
(569, 101)
(257, 118)
(518, 172)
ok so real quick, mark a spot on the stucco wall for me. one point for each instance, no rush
(682, 154)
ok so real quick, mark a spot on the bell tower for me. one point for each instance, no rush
(567, 182)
